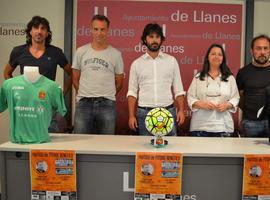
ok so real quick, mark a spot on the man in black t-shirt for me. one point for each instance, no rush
(39, 52)
(252, 81)
(47, 62)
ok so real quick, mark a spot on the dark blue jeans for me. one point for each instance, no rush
(255, 128)
(141, 115)
(58, 124)
(210, 134)
(95, 116)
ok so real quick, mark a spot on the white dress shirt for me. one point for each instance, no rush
(154, 81)
(216, 91)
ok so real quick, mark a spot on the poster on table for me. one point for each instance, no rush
(158, 176)
(53, 174)
(256, 177)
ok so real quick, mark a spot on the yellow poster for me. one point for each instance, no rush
(256, 177)
(53, 174)
(158, 176)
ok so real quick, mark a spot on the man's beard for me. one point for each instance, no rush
(154, 47)
(261, 60)
(38, 39)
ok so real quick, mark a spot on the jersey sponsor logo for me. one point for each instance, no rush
(24, 108)
(27, 115)
(40, 109)
(17, 95)
(17, 88)
(29, 112)
(41, 94)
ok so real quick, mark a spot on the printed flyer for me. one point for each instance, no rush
(158, 176)
(256, 177)
(53, 174)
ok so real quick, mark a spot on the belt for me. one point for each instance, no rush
(150, 108)
(92, 99)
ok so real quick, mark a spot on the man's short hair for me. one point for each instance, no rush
(152, 28)
(261, 36)
(101, 18)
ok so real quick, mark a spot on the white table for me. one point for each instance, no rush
(105, 164)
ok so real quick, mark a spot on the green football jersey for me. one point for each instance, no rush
(30, 107)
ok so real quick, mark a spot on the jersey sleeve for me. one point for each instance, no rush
(58, 101)
(3, 99)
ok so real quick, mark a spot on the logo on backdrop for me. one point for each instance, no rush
(105, 11)
(12, 29)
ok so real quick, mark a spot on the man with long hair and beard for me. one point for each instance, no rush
(37, 51)
(154, 81)
(253, 81)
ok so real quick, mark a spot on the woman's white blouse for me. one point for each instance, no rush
(216, 91)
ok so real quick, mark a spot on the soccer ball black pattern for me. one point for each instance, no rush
(159, 121)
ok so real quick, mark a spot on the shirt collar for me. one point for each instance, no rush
(160, 55)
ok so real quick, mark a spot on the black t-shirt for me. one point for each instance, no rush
(253, 81)
(47, 63)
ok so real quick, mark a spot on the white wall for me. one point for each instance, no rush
(15, 14)
(261, 17)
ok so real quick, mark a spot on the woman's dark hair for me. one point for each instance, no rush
(224, 69)
(35, 22)
(152, 28)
